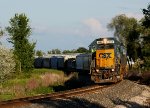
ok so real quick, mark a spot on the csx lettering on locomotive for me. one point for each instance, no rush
(105, 55)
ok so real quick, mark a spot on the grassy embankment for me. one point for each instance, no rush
(39, 81)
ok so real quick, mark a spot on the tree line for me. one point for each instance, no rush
(58, 51)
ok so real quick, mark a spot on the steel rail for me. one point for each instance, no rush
(58, 95)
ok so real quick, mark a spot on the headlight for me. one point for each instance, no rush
(112, 69)
(97, 70)
(104, 41)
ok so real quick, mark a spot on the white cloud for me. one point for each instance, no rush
(93, 24)
(135, 15)
(86, 28)
(95, 27)
(40, 29)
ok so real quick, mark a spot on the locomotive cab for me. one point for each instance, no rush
(108, 60)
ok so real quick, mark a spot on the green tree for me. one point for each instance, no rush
(66, 51)
(49, 52)
(56, 51)
(146, 37)
(82, 50)
(146, 12)
(19, 32)
(123, 26)
(39, 53)
(1, 34)
(127, 30)
(69, 51)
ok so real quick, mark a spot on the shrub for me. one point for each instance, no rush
(7, 63)
(49, 79)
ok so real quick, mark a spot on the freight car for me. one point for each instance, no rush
(83, 62)
(108, 62)
(70, 65)
(61, 62)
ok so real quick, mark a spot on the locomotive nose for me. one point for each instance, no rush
(105, 58)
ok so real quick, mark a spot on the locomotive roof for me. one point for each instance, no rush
(109, 38)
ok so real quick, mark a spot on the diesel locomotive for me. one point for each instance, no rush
(108, 62)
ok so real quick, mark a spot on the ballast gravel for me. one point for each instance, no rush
(125, 94)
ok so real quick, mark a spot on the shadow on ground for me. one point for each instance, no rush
(68, 103)
(74, 82)
(82, 80)
(141, 78)
(129, 104)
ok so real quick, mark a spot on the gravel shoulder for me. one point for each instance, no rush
(125, 94)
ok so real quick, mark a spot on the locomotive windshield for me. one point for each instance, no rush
(105, 44)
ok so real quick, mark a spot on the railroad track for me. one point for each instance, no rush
(53, 96)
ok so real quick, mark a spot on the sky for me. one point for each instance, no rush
(68, 24)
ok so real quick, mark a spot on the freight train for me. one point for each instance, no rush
(105, 63)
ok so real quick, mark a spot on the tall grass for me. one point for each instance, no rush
(39, 81)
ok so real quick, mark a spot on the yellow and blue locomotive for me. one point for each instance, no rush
(108, 62)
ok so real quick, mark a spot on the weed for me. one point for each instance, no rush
(7, 96)
(43, 90)
(49, 79)
(32, 84)
(18, 90)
